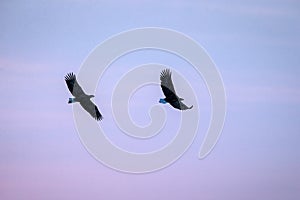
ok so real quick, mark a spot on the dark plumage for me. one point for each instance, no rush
(81, 97)
(169, 91)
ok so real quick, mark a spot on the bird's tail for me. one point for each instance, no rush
(71, 100)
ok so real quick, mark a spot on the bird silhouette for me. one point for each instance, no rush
(169, 91)
(81, 97)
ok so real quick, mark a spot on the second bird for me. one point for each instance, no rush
(169, 91)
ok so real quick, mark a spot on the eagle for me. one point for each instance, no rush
(169, 91)
(81, 97)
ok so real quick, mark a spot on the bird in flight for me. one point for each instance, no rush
(81, 97)
(169, 91)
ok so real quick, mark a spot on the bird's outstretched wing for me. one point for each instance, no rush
(73, 85)
(91, 108)
(167, 84)
(179, 105)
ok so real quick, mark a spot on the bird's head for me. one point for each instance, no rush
(162, 101)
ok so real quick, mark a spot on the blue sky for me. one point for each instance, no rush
(255, 45)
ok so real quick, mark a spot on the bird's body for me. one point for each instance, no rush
(169, 91)
(81, 97)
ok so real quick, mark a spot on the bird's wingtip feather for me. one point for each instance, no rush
(70, 76)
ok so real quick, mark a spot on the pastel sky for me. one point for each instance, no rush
(256, 47)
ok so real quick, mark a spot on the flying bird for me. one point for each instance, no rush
(81, 97)
(169, 91)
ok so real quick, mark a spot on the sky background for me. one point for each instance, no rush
(255, 45)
